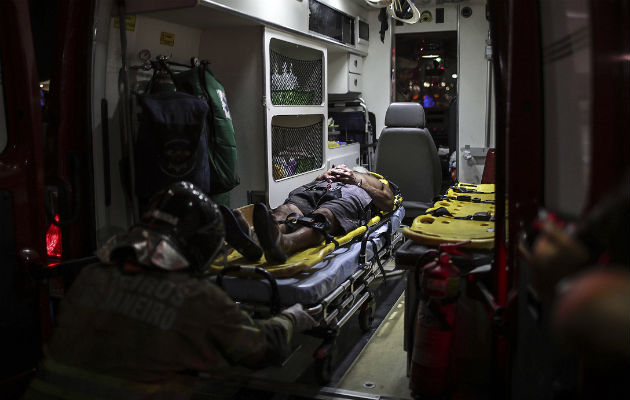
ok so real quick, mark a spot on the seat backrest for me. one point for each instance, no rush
(407, 155)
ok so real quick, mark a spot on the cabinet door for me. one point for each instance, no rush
(295, 112)
(355, 82)
(355, 63)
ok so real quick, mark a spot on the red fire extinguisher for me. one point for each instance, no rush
(435, 323)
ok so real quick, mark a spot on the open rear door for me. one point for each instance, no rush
(24, 306)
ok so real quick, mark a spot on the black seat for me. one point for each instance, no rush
(407, 155)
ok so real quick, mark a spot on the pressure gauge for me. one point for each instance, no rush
(144, 55)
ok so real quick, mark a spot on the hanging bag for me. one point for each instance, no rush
(171, 143)
(199, 81)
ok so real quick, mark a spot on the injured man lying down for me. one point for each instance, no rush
(335, 203)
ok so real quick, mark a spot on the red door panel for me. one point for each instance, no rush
(24, 305)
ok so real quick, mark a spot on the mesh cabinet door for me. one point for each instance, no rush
(296, 112)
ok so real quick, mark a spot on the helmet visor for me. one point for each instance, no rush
(148, 246)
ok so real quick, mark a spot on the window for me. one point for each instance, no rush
(426, 73)
(364, 31)
(330, 22)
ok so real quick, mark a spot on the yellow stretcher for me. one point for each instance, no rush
(452, 194)
(473, 188)
(464, 202)
(296, 262)
(434, 231)
(306, 258)
(462, 209)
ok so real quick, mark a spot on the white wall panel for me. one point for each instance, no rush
(237, 63)
(472, 78)
(146, 35)
(377, 71)
(449, 24)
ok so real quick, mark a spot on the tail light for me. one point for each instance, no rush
(53, 240)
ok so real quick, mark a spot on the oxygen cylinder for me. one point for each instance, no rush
(434, 328)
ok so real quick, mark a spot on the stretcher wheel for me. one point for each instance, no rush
(366, 315)
(325, 357)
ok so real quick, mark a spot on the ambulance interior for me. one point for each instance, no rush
(343, 65)
(308, 84)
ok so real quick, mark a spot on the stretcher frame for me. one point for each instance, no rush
(353, 295)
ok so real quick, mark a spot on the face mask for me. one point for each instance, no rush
(167, 257)
(150, 248)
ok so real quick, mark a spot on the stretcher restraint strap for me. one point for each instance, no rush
(388, 241)
(378, 259)
(317, 222)
(466, 198)
(478, 216)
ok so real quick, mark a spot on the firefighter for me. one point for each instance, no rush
(131, 324)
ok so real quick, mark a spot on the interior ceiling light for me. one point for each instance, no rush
(430, 56)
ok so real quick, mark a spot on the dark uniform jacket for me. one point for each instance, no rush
(149, 326)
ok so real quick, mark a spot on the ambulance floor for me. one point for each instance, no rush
(381, 367)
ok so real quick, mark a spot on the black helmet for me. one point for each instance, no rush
(191, 220)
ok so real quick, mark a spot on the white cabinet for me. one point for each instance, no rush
(344, 73)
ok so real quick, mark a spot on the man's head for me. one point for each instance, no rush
(182, 229)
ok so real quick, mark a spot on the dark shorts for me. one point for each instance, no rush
(348, 203)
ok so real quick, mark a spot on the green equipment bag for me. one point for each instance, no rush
(199, 81)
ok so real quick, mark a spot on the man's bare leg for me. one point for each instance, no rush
(281, 213)
(277, 244)
(305, 236)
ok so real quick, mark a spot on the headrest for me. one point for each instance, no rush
(405, 115)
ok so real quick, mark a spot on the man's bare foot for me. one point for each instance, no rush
(238, 235)
(269, 235)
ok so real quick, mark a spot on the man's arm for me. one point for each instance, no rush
(381, 194)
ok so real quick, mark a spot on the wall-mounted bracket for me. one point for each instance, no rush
(470, 152)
